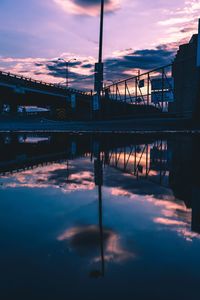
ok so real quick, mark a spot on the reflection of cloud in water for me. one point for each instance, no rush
(56, 175)
(170, 212)
(166, 221)
(176, 217)
(83, 180)
(120, 193)
(173, 214)
(86, 241)
(130, 184)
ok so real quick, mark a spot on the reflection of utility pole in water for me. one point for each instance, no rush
(98, 172)
(101, 227)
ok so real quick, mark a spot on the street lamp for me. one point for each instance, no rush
(67, 68)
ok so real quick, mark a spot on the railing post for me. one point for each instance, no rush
(163, 86)
(148, 89)
(147, 159)
(136, 87)
(125, 90)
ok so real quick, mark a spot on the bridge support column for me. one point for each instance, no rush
(1, 106)
(52, 111)
(195, 210)
(13, 108)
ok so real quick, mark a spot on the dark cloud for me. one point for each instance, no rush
(87, 66)
(38, 64)
(89, 3)
(88, 7)
(115, 68)
(146, 59)
(186, 30)
(58, 69)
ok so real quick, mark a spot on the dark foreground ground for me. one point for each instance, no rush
(129, 125)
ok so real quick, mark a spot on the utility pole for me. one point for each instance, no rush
(101, 32)
(98, 85)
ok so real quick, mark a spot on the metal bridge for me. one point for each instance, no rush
(148, 93)
(16, 90)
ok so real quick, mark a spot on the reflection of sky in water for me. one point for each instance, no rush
(58, 175)
(51, 238)
(49, 222)
(156, 203)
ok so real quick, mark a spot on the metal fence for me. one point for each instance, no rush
(155, 88)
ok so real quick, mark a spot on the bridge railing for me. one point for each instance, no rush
(8, 77)
(155, 88)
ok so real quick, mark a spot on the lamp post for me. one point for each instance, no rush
(99, 65)
(67, 69)
(101, 32)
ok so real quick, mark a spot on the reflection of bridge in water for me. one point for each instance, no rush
(32, 150)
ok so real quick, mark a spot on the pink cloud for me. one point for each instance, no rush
(166, 221)
(181, 23)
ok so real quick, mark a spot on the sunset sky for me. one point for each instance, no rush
(139, 34)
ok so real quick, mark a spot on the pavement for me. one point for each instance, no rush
(36, 124)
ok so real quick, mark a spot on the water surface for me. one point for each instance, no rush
(99, 217)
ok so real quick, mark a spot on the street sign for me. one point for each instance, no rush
(96, 148)
(73, 148)
(73, 101)
(19, 90)
(98, 80)
(160, 84)
(98, 172)
(159, 96)
(107, 93)
(141, 83)
(68, 99)
(96, 102)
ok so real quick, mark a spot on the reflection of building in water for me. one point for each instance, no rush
(173, 163)
(160, 156)
(184, 175)
(196, 209)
